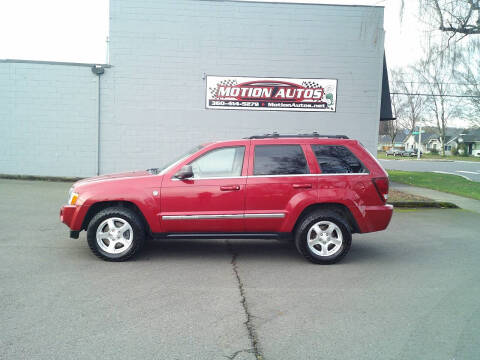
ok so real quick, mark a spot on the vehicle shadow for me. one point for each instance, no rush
(361, 251)
(217, 249)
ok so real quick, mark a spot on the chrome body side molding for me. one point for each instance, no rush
(224, 216)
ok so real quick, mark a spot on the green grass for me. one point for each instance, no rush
(381, 155)
(442, 182)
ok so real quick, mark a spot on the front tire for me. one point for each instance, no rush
(323, 237)
(115, 234)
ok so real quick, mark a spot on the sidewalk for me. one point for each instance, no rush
(460, 201)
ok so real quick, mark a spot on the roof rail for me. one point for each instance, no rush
(315, 134)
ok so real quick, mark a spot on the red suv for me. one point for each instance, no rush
(315, 190)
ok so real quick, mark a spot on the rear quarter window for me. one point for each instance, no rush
(337, 159)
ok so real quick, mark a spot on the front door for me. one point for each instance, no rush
(213, 200)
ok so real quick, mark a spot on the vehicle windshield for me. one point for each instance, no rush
(168, 165)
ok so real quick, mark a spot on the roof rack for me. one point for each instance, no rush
(315, 134)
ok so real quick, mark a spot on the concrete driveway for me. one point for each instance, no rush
(410, 292)
(468, 169)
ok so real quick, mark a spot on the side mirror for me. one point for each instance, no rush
(185, 172)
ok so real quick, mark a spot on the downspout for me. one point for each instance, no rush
(98, 70)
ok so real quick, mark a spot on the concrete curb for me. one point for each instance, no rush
(40, 178)
(460, 201)
(424, 204)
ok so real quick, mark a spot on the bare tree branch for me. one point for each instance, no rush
(468, 73)
(409, 108)
(454, 17)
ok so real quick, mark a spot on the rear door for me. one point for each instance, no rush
(280, 179)
(344, 177)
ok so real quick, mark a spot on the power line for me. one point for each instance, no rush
(442, 83)
(436, 95)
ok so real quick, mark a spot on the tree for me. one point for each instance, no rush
(456, 62)
(468, 73)
(439, 85)
(409, 107)
(454, 17)
(393, 127)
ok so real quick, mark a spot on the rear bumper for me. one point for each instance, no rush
(376, 218)
(72, 216)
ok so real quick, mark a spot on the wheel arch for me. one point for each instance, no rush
(338, 208)
(99, 206)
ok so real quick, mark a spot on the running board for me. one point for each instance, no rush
(275, 236)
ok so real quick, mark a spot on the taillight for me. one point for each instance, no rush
(381, 184)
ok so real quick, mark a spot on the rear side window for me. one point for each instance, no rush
(337, 159)
(279, 160)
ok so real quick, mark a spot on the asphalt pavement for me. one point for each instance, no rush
(467, 169)
(410, 292)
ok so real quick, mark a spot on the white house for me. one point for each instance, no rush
(411, 142)
(470, 138)
(431, 140)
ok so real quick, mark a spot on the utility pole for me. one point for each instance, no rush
(419, 141)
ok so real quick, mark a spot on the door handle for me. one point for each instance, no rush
(230, 187)
(302, 186)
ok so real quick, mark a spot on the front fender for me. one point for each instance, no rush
(142, 197)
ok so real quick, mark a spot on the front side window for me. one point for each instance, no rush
(279, 160)
(222, 162)
(337, 159)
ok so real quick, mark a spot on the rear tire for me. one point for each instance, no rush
(116, 234)
(323, 237)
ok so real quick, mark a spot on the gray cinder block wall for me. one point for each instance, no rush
(48, 117)
(161, 51)
(153, 97)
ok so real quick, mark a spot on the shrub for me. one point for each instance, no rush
(462, 150)
(434, 151)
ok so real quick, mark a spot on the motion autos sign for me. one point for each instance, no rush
(271, 93)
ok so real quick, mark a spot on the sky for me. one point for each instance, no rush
(76, 31)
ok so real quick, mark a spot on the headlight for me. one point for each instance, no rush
(72, 197)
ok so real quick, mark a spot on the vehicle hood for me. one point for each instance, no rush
(116, 176)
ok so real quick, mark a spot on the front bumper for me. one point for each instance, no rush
(72, 216)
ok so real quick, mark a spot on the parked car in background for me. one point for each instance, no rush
(411, 153)
(314, 190)
(394, 152)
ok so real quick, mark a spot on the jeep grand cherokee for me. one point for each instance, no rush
(315, 190)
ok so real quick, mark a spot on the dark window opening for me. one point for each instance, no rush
(279, 160)
(337, 159)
